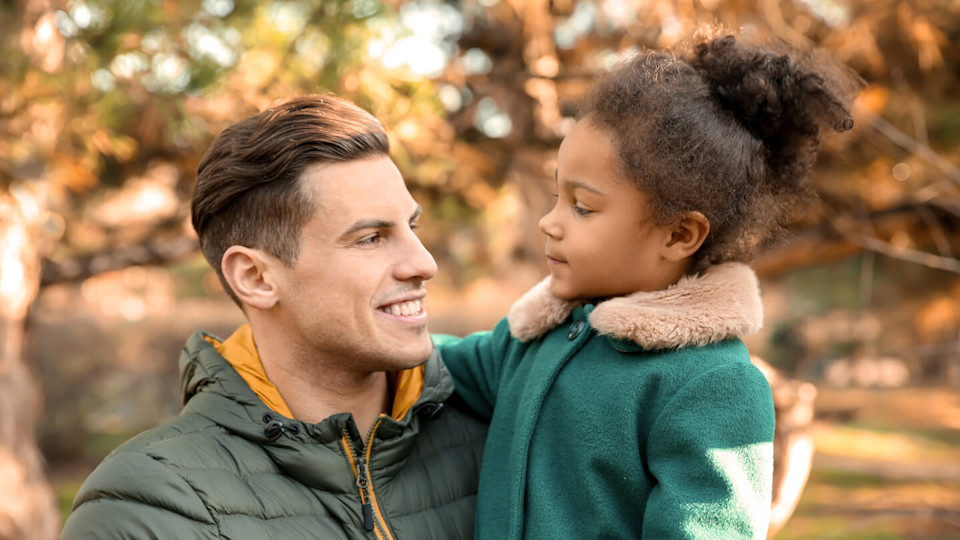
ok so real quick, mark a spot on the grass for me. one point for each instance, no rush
(66, 492)
(856, 506)
(892, 473)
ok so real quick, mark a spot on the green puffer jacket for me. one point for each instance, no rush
(638, 417)
(229, 467)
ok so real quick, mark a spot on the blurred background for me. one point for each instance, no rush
(107, 106)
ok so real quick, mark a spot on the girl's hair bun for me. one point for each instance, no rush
(781, 102)
(725, 126)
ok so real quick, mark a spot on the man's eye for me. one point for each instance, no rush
(370, 240)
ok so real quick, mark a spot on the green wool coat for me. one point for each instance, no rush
(218, 470)
(638, 417)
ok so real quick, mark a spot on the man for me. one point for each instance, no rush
(319, 418)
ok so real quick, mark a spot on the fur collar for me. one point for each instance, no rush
(722, 302)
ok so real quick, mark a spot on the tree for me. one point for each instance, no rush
(107, 107)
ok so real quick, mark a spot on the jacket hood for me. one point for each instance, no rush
(720, 303)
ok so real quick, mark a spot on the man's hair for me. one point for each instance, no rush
(248, 190)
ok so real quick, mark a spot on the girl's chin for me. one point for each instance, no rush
(562, 292)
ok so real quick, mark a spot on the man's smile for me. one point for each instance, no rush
(406, 308)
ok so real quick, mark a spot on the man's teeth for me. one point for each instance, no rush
(412, 307)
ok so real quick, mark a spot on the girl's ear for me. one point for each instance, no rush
(250, 274)
(686, 236)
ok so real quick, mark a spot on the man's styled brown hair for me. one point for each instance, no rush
(248, 190)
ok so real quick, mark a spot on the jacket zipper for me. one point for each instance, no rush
(372, 516)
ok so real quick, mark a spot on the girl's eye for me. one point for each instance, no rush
(581, 211)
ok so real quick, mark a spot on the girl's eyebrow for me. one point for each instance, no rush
(575, 184)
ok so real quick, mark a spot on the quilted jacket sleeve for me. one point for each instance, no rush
(476, 363)
(132, 496)
(711, 451)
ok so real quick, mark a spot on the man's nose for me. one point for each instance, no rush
(415, 261)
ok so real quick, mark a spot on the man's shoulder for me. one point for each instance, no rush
(162, 474)
(140, 488)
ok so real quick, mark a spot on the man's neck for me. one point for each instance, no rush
(315, 389)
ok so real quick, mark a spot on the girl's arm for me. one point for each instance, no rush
(476, 363)
(711, 451)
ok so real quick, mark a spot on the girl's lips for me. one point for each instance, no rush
(553, 260)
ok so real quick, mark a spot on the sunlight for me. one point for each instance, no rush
(12, 477)
(12, 271)
(731, 459)
(287, 18)
(421, 55)
(451, 97)
(491, 120)
(422, 41)
(126, 65)
(476, 61)
(66, 25)
(219, 8)
(168, 73)
(830, 11)
(621, 13)
(204, 43)
(568, 32)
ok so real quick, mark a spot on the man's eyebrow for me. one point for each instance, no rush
(575, 184)
(362, 224)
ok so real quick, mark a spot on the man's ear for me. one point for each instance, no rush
(249, 273)
(686, 236)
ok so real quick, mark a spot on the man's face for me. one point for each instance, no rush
(355, 294)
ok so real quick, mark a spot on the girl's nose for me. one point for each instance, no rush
(549, 225)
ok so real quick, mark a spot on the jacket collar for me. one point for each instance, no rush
(206, 375)
(240, 350)
(311, 453)
(720, 303)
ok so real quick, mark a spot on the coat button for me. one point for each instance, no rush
(575, 329)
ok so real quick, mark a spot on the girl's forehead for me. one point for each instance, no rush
(588, 151)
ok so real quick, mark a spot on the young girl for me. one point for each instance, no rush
(622, 402)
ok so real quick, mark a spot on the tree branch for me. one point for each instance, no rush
(883, 247)
(910, 144)
(153, 252)
(827, 242)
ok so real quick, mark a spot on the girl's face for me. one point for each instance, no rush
(601, 237)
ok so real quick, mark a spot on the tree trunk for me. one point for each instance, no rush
(792, 442)
(27, 506)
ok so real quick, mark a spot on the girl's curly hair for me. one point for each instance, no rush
(728, 129)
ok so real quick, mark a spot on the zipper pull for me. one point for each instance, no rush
(367, 516)
(362, 482)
